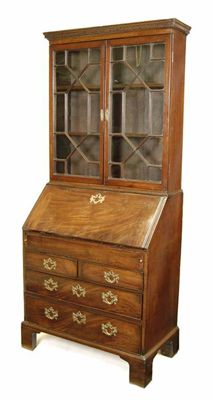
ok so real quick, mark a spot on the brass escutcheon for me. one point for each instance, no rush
(111, 277)
(96, 198)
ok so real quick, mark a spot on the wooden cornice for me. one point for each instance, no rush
(171, 23)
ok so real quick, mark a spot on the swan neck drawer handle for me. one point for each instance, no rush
(109, 297)
(78, 291)
(50, 313)
(111, 277)
(79, 318)
(108, 329)
(50, 285)
(49, 264)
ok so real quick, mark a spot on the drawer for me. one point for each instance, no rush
(83, 324)
(76, 249)
(47, 263)
(109, 299)
(114, 277)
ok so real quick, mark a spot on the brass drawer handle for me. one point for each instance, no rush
(111, 277)
(49, 264)
(50, 285)
(50, 313)
(108, 329)
(109, 297)
(79, 318)
(78, 291)
(97, 198)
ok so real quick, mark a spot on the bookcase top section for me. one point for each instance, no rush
(171, 23)
(127, 219)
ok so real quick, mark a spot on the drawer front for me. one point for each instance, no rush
(105, 254)
(77, 322)
(109, 299)
(114, 277)
(47, 263)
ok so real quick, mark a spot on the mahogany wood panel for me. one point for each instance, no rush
(176, 112)
(57, 265)
(162, 278)
(70, 212)
(127, 337)
(126, 279)
(104, 254)
(89, 294)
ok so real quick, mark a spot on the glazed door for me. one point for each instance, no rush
(138, 86)
(77, 98)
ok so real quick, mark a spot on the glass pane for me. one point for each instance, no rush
(77, 112)
(77, 60)
(136, 105)
(91, 76)
(60, 114)
(95, 113)
(158, 51)
(60, 58)
(116, 112)
(63, 79)
(137, 111)
(157, 110)
(94, 56)
(59, 167)
(63, 147)
(136, 169)
(151, 149)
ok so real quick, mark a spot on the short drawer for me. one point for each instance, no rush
(92, 295)
(47, 263)
(83, 324)
(114, 277)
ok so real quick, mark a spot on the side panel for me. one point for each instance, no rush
(162, 275)
(176, 112)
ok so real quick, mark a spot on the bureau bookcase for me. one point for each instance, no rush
(102, 243)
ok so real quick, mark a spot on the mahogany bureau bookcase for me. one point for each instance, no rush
(102, 243)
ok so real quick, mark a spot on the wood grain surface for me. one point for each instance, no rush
(123, 219)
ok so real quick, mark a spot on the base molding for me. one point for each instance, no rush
(140, 366)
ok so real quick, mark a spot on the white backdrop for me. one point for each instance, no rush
(58, 368)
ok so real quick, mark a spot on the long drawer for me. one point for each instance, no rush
(80, 323)
(92, 295)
